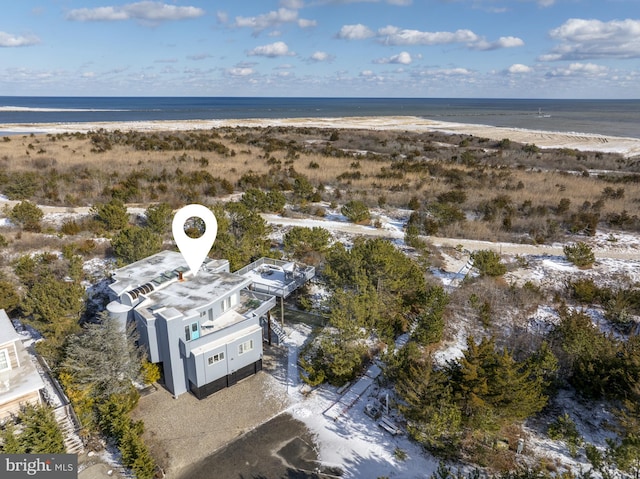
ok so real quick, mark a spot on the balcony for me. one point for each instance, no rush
(277, 277)
(252, 304)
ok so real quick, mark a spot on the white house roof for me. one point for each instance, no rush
(21, 380)
(157, 269)
(194, 293)
(8, 333)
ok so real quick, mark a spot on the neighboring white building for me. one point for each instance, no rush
(20, 382)
(205, 331)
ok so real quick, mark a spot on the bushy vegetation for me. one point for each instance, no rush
(100, 366)
(356, 211)
(37, 432)
(377, 290)
(579, 254)
(476, 188)
(308, 245)
(242, 235)
(134, 243)
(595, 363)
(27, 215)
(483, 392)
(54, 302)
(488, 263)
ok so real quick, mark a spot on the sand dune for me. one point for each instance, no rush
(544, 139)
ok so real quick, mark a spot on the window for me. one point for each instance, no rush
(192, 331)
(216, 358)
(246, 346)
(226, 303)
(4, 360)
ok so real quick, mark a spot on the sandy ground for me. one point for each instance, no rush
(543, 139)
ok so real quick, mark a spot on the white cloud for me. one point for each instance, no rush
(88, 75)
(367, 73)
(223, 17)
(268, 20)
(146, 11)
(304, 23)
(272, 50)
(551, 57)
(519, 68)
(581, 39)
(240, 71)
(8, 40)
(403, 58)
(581, 69)
(321, 56)
(445, 72)
(355, 32)
(391, 35)
(502, 42)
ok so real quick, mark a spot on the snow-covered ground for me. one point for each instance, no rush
(353, 442)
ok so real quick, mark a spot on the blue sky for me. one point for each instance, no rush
(369, 48)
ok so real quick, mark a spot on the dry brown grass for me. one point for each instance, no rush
(82, 177)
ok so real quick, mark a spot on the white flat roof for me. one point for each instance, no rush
(22, 380)
(194, 293)
(157, 269)
(226, 339)
(8, 333)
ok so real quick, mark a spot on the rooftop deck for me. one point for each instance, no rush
(277, 277)
(251, 304)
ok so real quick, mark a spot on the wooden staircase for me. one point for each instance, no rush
(72, 442)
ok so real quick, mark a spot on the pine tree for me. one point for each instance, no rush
(434, 419)
(9, 441)
(492, 388)
(134, 243)
(105, 357)
(39, 433)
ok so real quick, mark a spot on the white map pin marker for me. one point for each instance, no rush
(194, 250)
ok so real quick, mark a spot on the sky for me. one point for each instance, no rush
(322, 48)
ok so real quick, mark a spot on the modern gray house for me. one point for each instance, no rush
(205, 331)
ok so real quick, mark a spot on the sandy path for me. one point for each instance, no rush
(627, 252)
(471, 245)
(543, 139)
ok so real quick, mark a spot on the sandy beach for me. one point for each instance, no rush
(629, 147)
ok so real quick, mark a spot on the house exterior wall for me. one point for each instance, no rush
(201, 372)
(20, 382)
(9, 351)
(14, 406)
(216, 307)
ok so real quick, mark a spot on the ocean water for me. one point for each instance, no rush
(606, 117)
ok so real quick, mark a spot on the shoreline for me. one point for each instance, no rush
(627, 146)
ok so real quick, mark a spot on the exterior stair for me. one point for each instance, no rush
(462, 274)
(72, 441)
(281, 336)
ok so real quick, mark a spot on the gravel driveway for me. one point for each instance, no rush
(184, 431)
